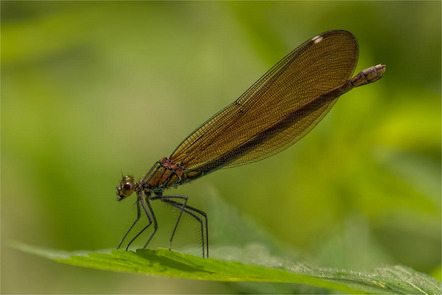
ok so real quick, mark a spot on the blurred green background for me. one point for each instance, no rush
(91, 89)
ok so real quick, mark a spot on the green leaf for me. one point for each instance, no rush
(162, 262)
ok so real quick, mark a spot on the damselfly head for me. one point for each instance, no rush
(126, 187)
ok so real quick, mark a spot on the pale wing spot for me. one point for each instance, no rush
(317, 39)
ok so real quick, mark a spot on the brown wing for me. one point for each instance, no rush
(314, 68)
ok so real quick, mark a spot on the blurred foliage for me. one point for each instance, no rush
(92, 89)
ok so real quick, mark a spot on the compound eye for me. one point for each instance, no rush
(126, 188)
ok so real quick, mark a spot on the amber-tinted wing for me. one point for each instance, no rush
(320, 64)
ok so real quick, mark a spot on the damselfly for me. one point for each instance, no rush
(275, 112)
